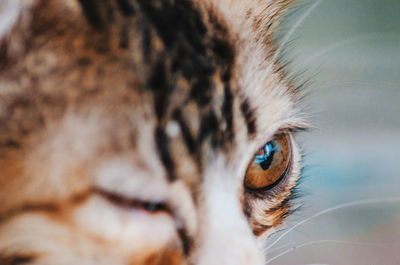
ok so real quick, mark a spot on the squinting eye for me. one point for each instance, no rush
(270, 164)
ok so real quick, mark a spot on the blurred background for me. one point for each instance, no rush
(350, 51)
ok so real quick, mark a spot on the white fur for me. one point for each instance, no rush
(225, 236)
(98, 229)
(124, 226)
(68, 146)
(120, 176)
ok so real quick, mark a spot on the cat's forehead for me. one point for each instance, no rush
(172, 66)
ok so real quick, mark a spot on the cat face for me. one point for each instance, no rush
(143, 132)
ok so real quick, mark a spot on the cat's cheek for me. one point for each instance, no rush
(133, 230)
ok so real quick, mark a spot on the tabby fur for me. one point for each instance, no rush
(126, 127)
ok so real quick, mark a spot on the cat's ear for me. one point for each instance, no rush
(10, 15)
(19, 20)
(10, 11)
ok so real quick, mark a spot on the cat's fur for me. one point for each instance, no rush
(126, 127)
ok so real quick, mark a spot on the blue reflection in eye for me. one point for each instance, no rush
(267, 151)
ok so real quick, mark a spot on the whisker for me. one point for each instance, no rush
(383, 84)
(295, 27)
(306, 244)
(279, 248)
(351, 84)
(316, 264)
(331, 241)
(344, 42)
(331, 209)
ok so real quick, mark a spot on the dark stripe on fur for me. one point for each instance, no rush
(127, 203)
(177, 42)
(10, 143)
(249, 118)
(210, 128)
(124, 37)
(48, 207)
(224, 54)
(246, 208)
(94, 13)
(190, 50)
(162, 142)
(183, 33)
(174, 21)
(126, 7)
(16, 259)
(159, 83)
(185, 240)
(260, 229)
(283, 207)
(227, 111)
(4, 57)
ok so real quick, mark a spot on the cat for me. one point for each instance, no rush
(144, 132)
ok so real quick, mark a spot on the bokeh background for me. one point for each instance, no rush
(350, 51)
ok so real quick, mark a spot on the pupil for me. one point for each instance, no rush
(266, 156)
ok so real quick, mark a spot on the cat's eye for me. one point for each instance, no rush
(270, 164)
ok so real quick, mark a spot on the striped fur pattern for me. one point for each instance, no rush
(126, 127)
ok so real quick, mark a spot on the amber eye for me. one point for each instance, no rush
(270, 164)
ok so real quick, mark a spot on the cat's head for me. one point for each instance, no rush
(143, 132)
